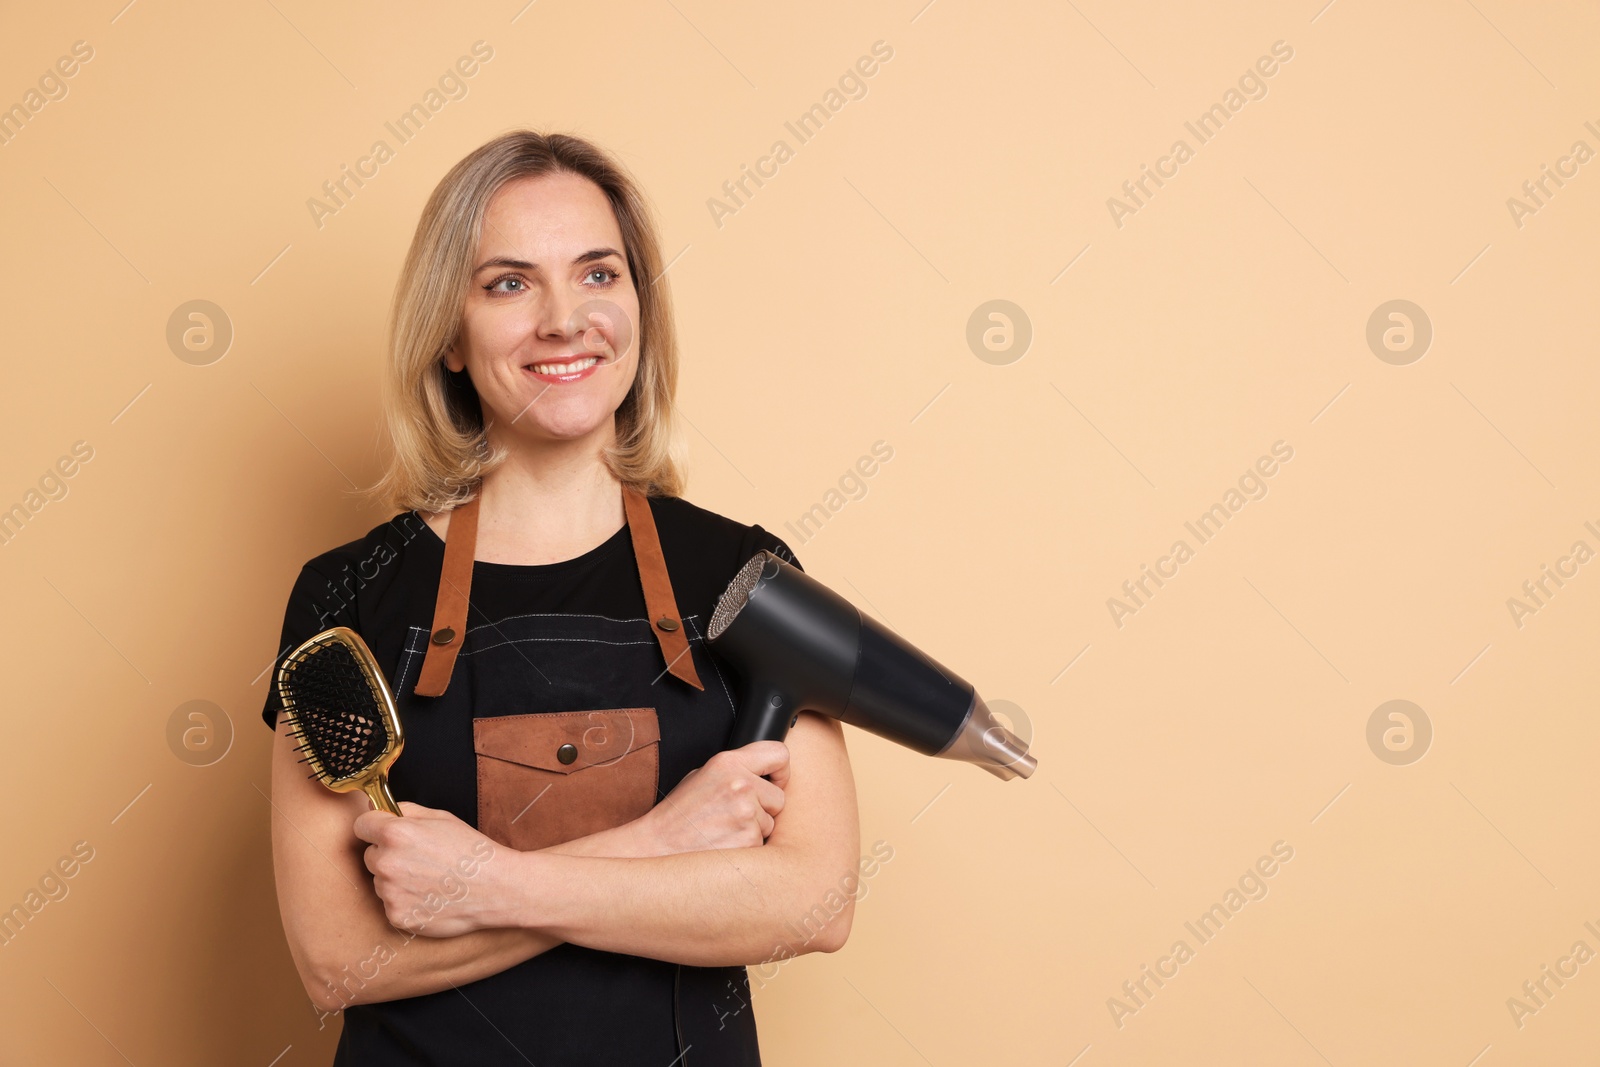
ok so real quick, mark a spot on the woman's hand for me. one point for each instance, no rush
(439, 877)
(725, 804)
(433, 872)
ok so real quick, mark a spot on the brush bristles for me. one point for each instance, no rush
(335, 716)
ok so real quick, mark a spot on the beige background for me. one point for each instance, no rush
(829, 312)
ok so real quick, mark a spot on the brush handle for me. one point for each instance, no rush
(377, 789)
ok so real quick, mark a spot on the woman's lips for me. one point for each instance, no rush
(571, 376)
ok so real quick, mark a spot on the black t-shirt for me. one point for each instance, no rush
(383, 586)
(356, 585)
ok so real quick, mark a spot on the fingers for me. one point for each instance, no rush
(369, 824)
(413, 810)
(766, 758)
(728, 803)
(771, 797)
(779, 775)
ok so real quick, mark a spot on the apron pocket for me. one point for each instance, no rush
(549, 777)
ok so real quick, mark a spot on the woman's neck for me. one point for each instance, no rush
(547, 507)
(543, 512)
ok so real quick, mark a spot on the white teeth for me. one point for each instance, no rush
(566, 368)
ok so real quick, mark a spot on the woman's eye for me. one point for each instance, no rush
(510, 279)
(612, 275)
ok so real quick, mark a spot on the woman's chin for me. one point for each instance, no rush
(559, 426)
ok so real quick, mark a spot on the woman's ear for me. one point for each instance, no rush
(453, 362)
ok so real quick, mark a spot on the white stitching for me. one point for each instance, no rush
(412, 631)
(551, 615)
(589, 640)
(400, 686)
(534, 640)
(725, 691)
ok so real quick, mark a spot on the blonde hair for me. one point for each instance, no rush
(434, 421)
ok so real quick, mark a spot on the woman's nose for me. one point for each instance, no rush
(553, 317)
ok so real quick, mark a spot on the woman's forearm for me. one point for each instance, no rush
(713, 908)
(608, 891)
(401, 964)
(723, 905)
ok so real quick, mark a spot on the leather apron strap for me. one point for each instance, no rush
(660, 605)
(455, 586)
(450, 606)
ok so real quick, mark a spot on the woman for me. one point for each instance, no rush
(579, 875)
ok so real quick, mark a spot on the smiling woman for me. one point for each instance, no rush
(539, 614)
(477, 253)
(508, 288)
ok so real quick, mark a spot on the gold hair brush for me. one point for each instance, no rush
(341, 712)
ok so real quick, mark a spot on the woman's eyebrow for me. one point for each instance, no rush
(522, 264)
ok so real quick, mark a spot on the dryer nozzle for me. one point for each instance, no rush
(802, 647)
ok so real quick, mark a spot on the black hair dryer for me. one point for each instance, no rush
(802, 647)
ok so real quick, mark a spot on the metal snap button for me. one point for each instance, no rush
(667, 623)
(567, 753)
(443, 635)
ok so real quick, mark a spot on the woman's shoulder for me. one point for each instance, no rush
(721, 542)
(370, 552)
(333, 587)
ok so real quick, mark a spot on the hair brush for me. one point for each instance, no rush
(342, 714)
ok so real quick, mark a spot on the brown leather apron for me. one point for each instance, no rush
(455, 585)
(574, 731)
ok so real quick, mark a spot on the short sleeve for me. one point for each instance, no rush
(764, 539)
(315, 604)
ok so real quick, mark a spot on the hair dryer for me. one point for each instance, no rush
(802, 647)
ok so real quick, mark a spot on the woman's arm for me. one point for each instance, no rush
(746, 905)
(343, 946)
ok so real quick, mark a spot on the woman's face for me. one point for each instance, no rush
(549, 329)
